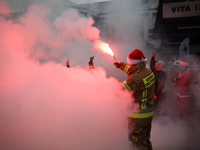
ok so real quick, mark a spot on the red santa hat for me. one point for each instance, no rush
(135, 57)
(184, 63)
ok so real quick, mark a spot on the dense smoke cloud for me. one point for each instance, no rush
(45, 105)
(4, 9)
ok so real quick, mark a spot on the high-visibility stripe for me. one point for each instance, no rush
(145, 110)
(142, 104)
(126, 68)
(149, 80)
(126, 86)
(141, 115)
(144, 100)
(134, 138)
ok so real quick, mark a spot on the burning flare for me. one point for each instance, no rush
(103, 47)
(106, 49)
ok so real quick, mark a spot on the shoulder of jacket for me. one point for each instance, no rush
(142, 74)
(147, 71)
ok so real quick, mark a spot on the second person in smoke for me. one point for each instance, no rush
(160, 78)
(91, 64)
(141, 82)
(183, 80)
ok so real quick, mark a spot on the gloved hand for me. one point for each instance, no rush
(91, 58)
(177, 78)
(155, 97)
(117, 64)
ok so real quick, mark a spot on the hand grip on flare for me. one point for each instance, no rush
(117, 64)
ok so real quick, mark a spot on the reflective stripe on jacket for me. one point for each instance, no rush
(142, 82)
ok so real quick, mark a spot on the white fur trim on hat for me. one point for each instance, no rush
(184, 64)
(134, 62)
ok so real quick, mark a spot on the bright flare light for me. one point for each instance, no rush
(103, 47)
(106, 49)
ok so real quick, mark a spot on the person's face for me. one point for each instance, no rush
(156, 65)
(182, 67)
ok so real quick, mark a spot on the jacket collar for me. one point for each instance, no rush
(136, 68)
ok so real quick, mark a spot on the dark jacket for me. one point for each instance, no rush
(160, 75)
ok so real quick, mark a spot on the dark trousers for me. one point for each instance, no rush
(139, 133)
(158, 104)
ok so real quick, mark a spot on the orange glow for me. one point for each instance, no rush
(103, 47)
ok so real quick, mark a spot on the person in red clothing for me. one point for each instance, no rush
(183, 80)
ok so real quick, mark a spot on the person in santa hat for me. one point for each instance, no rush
(141, 82)
(183, 80)
(91, 64)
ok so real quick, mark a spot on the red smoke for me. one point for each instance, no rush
(4, 7)
(45, 105)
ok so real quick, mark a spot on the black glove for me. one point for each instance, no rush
(177, 78)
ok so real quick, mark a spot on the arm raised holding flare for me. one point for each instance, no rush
(141, 82)
(91, 64)
(117, 64)
(125, 67)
